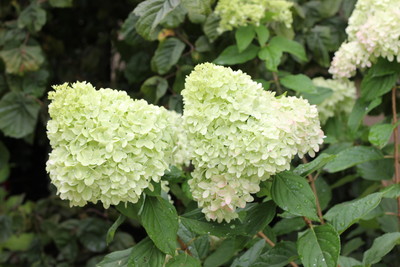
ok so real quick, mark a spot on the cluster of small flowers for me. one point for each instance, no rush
(373, 31)
(240, 135)
(106, 146)
(340, 102)
(238, 13)
(180, 151)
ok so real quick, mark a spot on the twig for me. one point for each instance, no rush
(187, 42)
(26, 38)
(308, 222)
(392, 213)
(261, 234)
(278, 86)
(396, 145)
(183, 246)
(311, 180)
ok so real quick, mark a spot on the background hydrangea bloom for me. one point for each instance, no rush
(180, 151)
(237, 13)
(239, 135)
(341, 101)
(373, 31)
(106, 146)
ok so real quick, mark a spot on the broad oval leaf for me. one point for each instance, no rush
(278, 256)
(318, 39)
(6, 228)
(198, 9)
(23, 59)
(183, 260)
(347, 262)
(92, 233)
(289, 46)
(223, 254)
(381, 246)
(376, 170)
(160, 219)
(173, 175)
(232, 56)
(379, 134)
(34, 83)
(272, 56)
(132, 210)
(250, 256)
(174, 18)
(286, 226)
(33, 17)
(128, 30)
(353, 156)
(18, 114)
(293, 194)
(306, 169)
(244, 36)
(137, 67)
(210, 27)
(360, 109)
(117, 258)
(375, 86)
(154, 88)
(322, 94)
(168, 54)
(319, 246)
(299, 83)
(145, 254)
(199, 245)
(262, 34)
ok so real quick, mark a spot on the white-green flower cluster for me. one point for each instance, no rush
(373, 31)
(240, 135)
(238, 13)
(180, 150)
(340, 102)
(106, 146)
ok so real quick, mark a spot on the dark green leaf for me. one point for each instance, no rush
(18, 114)
(33, 17)
(22, 59)
(151, 13)
(92, 233)
(128, 30)
(389, 222)
(146, 254)
(379, 134)
(293, 194)
(173, 175)
(168, 54)
(181, 194)
(272, 56)
(344, 180)
(324, 192)
(317, 40)
(210, 27)
(384, 67)
(375, 86)
(160, 219)
(352, 245)
(179, 83)
(34, 83)
(6, 228)
(286, 226)
(61, 3)
(306, 169)
(4, 156)
(116, 259)
(346, 261)
(176, 103)
(360, 109)
(322, 94)
(250, 256)
(231, 55)
(131, 210)
(114, 227)
(183, 260)
(174, 18)
(392, 191)
(348, 7)
(223, 253)
(199, 247)
(258, 217)
(343, 215)
(329, 8)
(262, 34)
(376, 170)
(353, 156)
(320, 246)
(202, 44)
(289, 46)
(137, 67)
(381, 246)
(122, 240)
(198, 9)
(278, 256)
(300, 83)
(244, 36)
(154, 88)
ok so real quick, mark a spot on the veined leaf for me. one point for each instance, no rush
(381, 246)
(244, 36)
(168, 54)
(198, 9)
(22, 59)
(250, 256)
(376, 170)
(199, 245)
(231, 55)
(272, 56)
(145, 254)
(305, 169)
(223, 254)
(33, 17)
(128, 30)
(154, 88)
(117, 258)
(278, 256)
(322, 94)
(375, 86)
(317, 40)
(360, 109)
(210, 27)
(289, 46)
(299, 83)
(262, 34)
(286, 226)
(379, 134)
(347, 262)
(183, 260)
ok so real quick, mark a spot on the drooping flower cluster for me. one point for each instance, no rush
(106, 146)
(340, 102)
(373, 31)
(237, 13)
(240, 135)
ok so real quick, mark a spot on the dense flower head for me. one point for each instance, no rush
(106, 146)
(180, 151)
(340, 102)
(373, 31)
(240, 135)
(237, 13)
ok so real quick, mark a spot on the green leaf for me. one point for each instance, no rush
(132, 210)
(347, 262)
(179, 83)
(278, 256)
(322, 94)
(128, 30)
(145, 254)
(173, 175)
(168, 54)
(379, 134)
(176, 103)
(352, 245)
(375, 86)
(286, 226)
(156, 189)
(151, 12)
(320, 246)
(250, 256)
(258, 217)
(117, 258)
(199, 245)
(6, 228)
(137, 67)
(61, 3)
(376, 170)
(262, 34)
(306, 169)
(4, 156)
(293, 194)
(329, 8)
(18, 114)
(272, 56)
(160, 219)
(381, 246)
(384, 67)
(244, 36)
(317, 40)
(174, 18)
(353, 156)
(114, 227)
(392, 191)
(223, 253)
(35, 83)
(92, 233)
(324, 192)
(20, 242)
(300, 83)
(154, 88)
(344, 180)
(360, 109)
(198, 9)
(232, 56)
(210, 27)
(33, 17)
(183, 260)
(289, 46)
(343, 215)
(23, 59)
